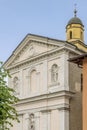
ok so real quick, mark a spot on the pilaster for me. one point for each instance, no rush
(63, 118)
(26, 121)
(45, 75)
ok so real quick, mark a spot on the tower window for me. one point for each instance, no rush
(70, 34)
(81, 36)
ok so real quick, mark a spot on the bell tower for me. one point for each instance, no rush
(75, 32)
(75, 29)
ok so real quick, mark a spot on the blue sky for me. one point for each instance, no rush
(41, 17)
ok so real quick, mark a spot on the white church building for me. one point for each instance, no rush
(48, 86)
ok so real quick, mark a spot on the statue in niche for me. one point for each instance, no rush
(32, 122)
(16, 85)
(54, 73)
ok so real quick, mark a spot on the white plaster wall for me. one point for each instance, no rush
(54, 120)
(66, 71)
(63, 119)
(24, 82)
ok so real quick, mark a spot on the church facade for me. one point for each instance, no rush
(48, 86)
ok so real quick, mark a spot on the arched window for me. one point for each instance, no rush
(33, 81)
(70, 34)
(81, 36)
(54, 73)
(16, 85)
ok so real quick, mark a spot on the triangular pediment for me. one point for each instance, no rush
(30, 50)
(31, 46)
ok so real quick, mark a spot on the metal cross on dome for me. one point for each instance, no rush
(75, 11)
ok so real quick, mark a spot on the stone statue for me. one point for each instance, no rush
(54, 72)
(32, 122)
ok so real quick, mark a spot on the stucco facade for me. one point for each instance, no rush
(81, 61)
(85, 93)
(41, 77)
(76, 101)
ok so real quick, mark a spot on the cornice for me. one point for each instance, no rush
(48, 109)
(42, 56)
(46, 96)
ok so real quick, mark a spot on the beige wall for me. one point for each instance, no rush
(76, 100)
(85, 94)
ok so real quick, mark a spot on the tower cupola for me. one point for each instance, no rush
(75, 29)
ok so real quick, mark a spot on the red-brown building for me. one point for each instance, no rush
(81, 61)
